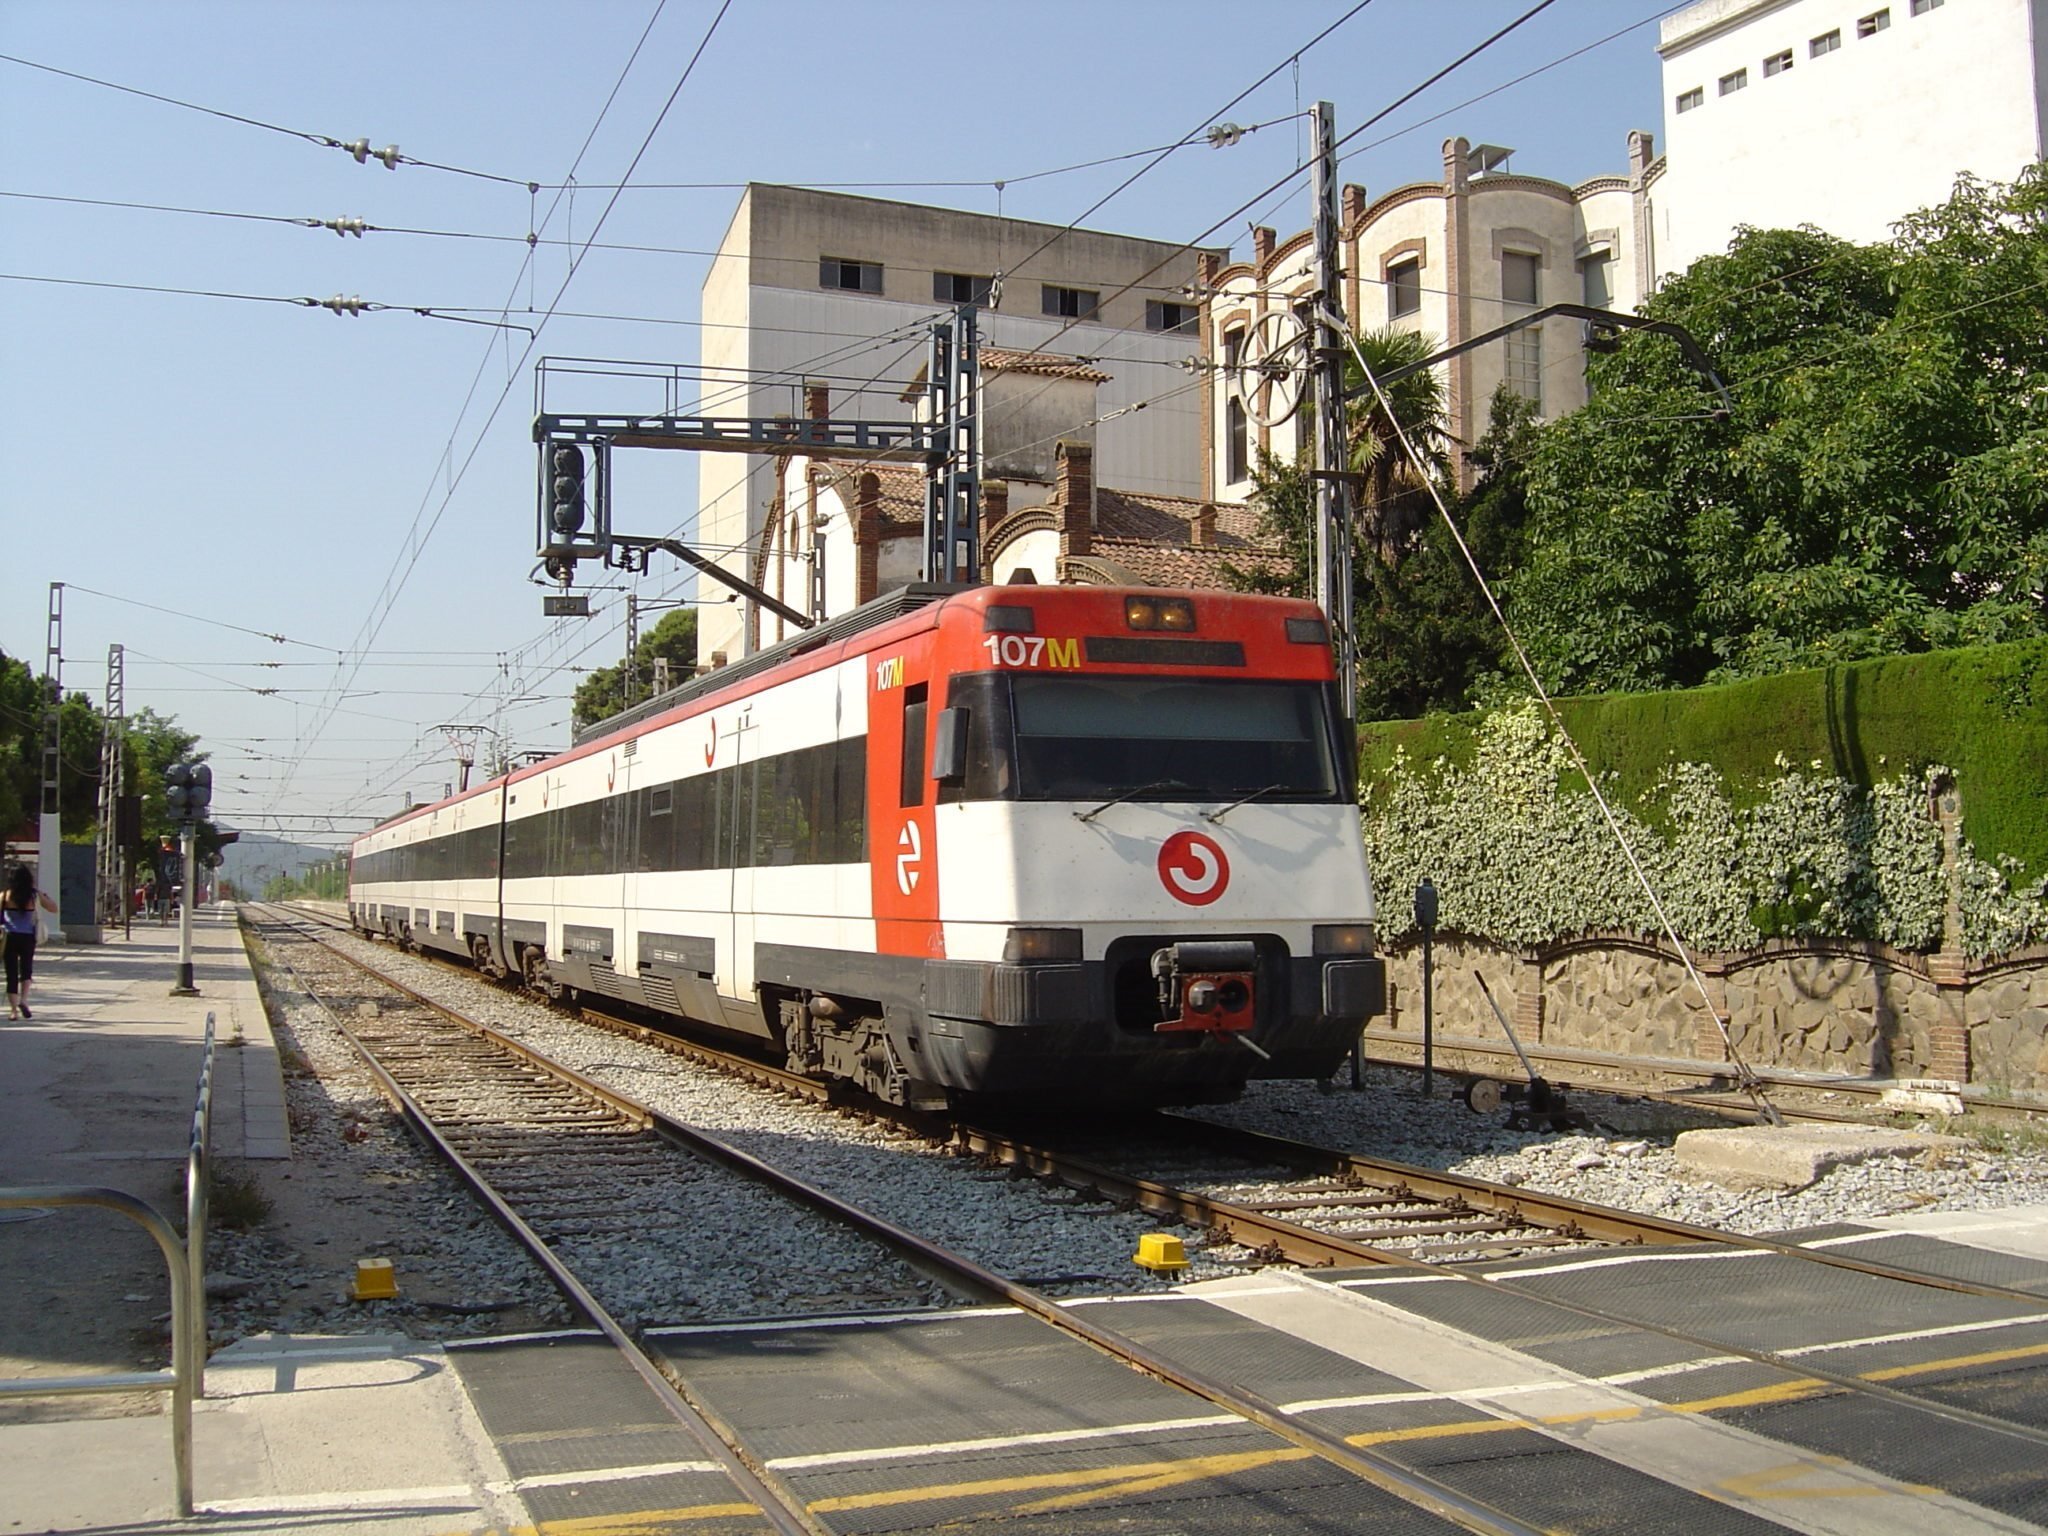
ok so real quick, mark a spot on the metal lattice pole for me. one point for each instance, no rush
(113, 784)
(1333, 500)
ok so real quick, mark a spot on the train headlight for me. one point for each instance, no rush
(1176, 614)
(1343, 938)
(1026, 944)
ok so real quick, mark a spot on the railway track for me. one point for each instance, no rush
(1423, 1222)
(555, 1109)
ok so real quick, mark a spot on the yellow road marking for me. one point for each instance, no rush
(1089, 1485)
(1771, 1483)
(1989, 1357)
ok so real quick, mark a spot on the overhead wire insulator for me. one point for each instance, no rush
(343, 306)
(1222, 136)
(360, 148)
(343, 226)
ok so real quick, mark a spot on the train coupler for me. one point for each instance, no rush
(1208, 985)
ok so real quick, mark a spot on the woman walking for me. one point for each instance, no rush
(18, 918)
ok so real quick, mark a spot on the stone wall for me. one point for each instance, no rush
(1856, 1009)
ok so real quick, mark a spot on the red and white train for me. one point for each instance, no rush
(1070, 844)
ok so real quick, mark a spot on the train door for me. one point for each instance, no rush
(738, 796)
(903, 865)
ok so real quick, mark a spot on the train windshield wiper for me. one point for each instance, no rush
(1130, 794)
(1255, 794)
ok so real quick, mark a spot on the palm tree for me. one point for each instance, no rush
(1396, 503)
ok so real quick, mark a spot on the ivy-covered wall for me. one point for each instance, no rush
(1521, 854)
(1983, 713)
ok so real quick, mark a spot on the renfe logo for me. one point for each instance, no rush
(911, 842)
(1193, 869)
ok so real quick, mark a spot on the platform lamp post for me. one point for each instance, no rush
(1425, 919)
(188, 791)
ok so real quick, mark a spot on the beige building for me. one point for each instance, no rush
(822, 288)
(1449, 258)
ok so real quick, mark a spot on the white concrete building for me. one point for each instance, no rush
(1451, 259)
(1844, 114)
(822, 287)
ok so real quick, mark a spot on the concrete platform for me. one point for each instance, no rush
(1793, 1156)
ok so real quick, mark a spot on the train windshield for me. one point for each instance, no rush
(1031, 736)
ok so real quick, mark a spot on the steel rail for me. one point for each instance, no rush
(1294, 1240)
(1364, 1462)
(781, 1506)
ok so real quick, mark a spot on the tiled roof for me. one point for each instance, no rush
(1170, 519)
(901, 486)
(1044, 365)
(1181, 565)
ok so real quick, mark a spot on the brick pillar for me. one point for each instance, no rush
(1707, 1044)
(1207, 265)
(1202, 527)
(1074, 492)
(1528, 1010)
(1459, 406)
(1351, 225)
(818, 401)
(1948, 1040)
(867, 536)
(1264, 243)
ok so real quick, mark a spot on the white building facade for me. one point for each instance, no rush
(840, 291)
(1843, 114)
(1450, 259)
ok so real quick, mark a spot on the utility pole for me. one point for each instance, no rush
(632, 669)
(113, 875)
(1333, 495)
(952, 509)
(49, 832)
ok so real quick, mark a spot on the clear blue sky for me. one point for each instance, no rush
(287, 470)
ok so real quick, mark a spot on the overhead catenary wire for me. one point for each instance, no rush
(418, 538)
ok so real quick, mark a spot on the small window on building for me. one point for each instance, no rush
(1239, 462)
(1922, 7)
(1696, 97)
(850, 276)
(1233, 350)
(1827, 42)
(1596, 272)
(1525, 364)
(1162, 315)
(1874, 23)
(1777, 63)
(1073, 303)
(961, 288)
(1518, 277)
(1730, 84)
(1404, 288)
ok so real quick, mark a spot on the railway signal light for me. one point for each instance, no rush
(188, 791)
(565, 494)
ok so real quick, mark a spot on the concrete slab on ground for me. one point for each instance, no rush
(1794, 1156)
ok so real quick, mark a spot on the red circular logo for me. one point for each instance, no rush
(1193, 869)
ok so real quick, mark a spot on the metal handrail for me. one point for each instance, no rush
(196, 1177)
(179, 1378)
(186, 1261)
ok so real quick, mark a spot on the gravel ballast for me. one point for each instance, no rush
(1021, 1228)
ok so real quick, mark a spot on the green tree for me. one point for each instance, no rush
(1423, 631)
(602, 694)
(1880, 487)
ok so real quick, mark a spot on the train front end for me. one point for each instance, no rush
(1149, 880)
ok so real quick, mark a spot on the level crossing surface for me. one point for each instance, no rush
(1530, 1399)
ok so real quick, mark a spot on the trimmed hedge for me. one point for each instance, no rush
(1981, 712)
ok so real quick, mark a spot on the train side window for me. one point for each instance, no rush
(913, 744)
